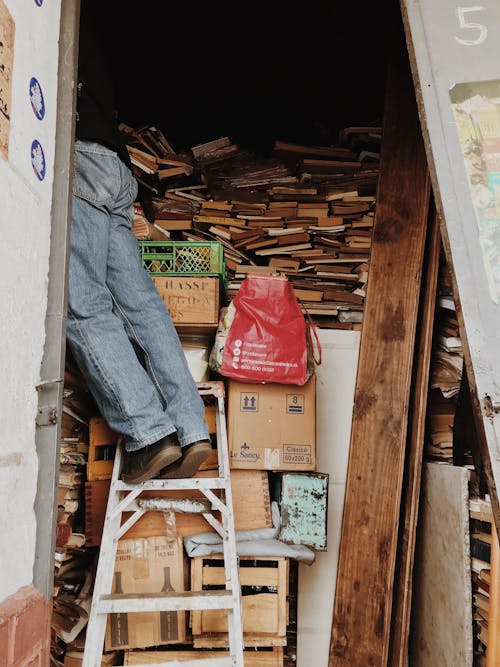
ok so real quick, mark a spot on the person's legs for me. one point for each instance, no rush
(124, 392)
(111, 302)
(149, 324)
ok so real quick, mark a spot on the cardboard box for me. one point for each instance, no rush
(272, 426)
(193, 301)
(148, 565)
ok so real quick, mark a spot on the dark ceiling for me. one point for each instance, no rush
(255, 72)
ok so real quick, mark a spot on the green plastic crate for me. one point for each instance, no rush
(184, 258)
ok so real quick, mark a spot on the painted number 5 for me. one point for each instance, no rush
(469, 25)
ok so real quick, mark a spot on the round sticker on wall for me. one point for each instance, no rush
(38, 160)
(38, 3)
(36, 98)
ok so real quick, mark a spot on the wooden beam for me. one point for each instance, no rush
(441, 628)
(409, 507)
(493, 649)
(362, 609)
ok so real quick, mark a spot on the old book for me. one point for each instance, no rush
(341, 194)
(315, 166)
(313, 151)
(173, 224)
(278, 191)
(175, 160)
(314, 206)
(340, 208)
(243, 243)
(220, 231)
(284, 249)
(218, 220)
(284, 263)
(218, 206)
(266, 224)
(220, 213)
(68, 476)
(285, 231)
(481, 601)
(293, 238)
(319, 309)
(343, 296)
(308, 295)
(348, 277)
(168, 172)
(480, 549)
(257, 245)
(244, 269)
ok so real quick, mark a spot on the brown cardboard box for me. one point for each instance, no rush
(272, 426)
(148, 565)
(193, 301)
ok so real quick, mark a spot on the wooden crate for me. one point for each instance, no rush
(272, 657)
(265, 614)
(192, 301)
(251, 502)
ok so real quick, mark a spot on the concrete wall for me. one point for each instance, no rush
(25, 220)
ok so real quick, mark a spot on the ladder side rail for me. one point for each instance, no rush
(96, 628)
(231, 561)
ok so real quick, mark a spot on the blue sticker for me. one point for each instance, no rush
(38, 3)
(36, 98)
(38, 160)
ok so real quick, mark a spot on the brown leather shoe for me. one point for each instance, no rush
(145, 463)
(193, 456)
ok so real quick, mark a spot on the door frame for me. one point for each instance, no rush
(51, 385)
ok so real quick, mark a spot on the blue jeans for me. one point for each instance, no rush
(114, 310)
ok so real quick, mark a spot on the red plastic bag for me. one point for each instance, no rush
(267, 338)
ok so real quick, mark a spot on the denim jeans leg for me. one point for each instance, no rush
(148, 322)
(124, 392)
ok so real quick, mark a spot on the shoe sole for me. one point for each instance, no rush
(189, 464)
(161, 460)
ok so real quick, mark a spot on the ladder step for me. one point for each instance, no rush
(185, 601)
(173, 484)
(223, 661)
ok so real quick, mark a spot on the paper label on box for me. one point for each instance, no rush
(295, 404)
(246, 454)
(297, 454)
(271, 458)
(249, 401)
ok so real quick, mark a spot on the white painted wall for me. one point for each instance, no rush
(25, 207)
(336, 379)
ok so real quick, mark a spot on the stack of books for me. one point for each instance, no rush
(481, 518)
(73, 562)
(303, 211)
(447, 355)
(154, 161)
(444, 386)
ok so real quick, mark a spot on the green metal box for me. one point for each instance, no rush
(303, 498)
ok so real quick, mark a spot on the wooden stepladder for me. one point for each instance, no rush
(127, 498)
